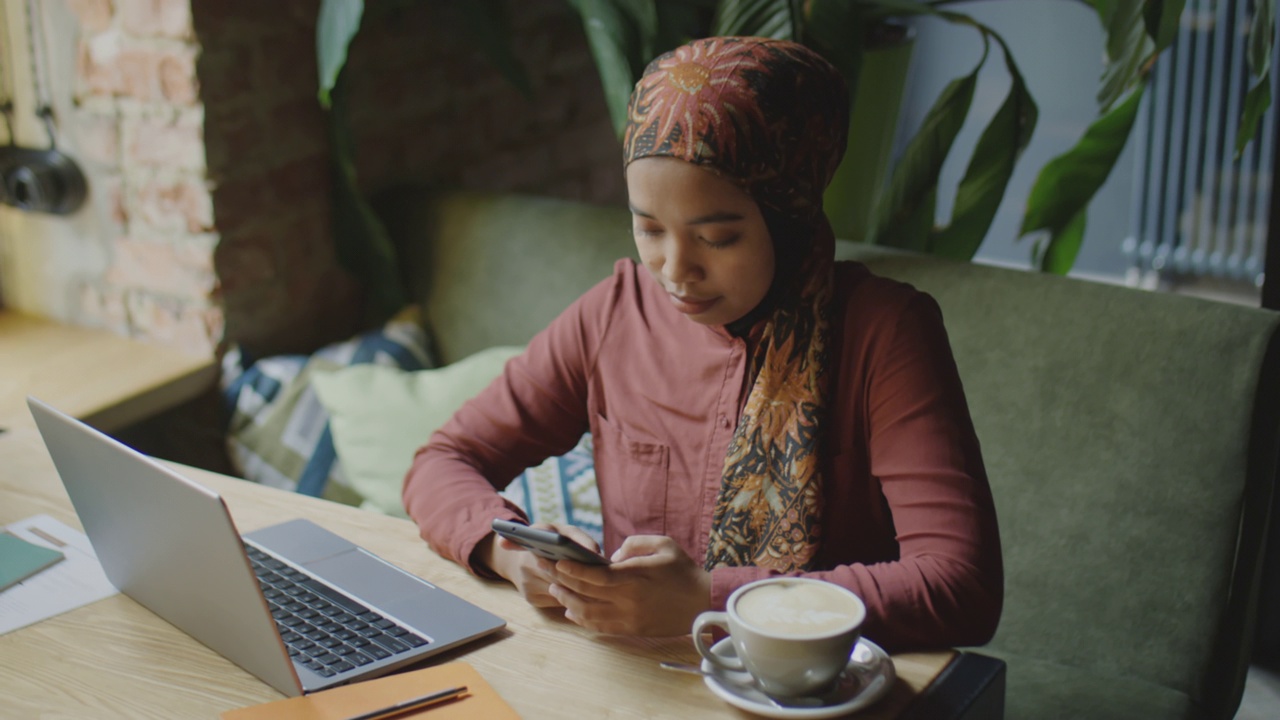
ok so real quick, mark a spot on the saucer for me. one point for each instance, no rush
(866, 679)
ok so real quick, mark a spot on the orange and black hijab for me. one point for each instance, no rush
(772, 117)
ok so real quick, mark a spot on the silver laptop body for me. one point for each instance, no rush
(170, 544)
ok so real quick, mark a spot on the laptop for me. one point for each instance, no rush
(319, 611)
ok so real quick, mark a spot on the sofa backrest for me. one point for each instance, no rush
(494, 269)
(1131, 440)
(1130, 437)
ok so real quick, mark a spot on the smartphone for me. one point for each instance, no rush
(547, 543)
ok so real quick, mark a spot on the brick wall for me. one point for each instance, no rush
(426, 107)
(138, 125)
(207, 154)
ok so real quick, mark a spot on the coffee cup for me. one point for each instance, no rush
(793, 635)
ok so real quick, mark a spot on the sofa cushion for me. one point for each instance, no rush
(380, 416)
(278, 433)
(1036, 688)
(1130, 441)
(501, 267)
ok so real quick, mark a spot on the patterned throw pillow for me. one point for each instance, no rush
(380, 416)
(278, 433)
(562, 490)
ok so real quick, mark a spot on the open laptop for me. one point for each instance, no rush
(320, 612)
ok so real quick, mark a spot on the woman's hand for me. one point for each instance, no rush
(652, 587)
(529, 573)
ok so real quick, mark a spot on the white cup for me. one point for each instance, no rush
(793, 635)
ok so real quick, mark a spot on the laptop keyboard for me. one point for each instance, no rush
(325, 630)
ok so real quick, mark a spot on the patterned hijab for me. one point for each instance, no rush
(772, 117)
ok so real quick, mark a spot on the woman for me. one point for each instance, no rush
(755, 407)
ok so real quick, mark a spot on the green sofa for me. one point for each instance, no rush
(1130, 438)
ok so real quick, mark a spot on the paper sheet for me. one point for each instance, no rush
(77, 580)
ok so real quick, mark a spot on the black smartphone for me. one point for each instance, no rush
(547, 543)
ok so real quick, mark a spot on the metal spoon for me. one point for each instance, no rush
(798, 702)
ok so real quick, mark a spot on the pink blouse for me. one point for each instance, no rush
(908, 519)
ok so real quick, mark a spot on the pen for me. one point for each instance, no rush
(412, 704)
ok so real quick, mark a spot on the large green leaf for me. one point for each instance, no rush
(337, 24)
(1128, 49)
(362, 244)
(837, 29)
(987, 177)
(780, 19)
(1163, 18)
(486, 23)
(915, 179)
(617, 47)
(1068, 183)
(1256, 102)
(1063, 245)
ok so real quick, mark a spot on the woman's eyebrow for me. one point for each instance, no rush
(715, 217)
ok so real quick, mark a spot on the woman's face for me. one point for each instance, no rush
(701, 237)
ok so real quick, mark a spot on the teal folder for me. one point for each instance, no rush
(20, 559)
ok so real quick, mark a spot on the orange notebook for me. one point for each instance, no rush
(481, 700)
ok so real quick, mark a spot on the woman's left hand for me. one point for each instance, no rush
(652, 587)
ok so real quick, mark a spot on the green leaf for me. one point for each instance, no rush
(617, 52)
(915, 179)
(985, 181)
(361, 241)
(1162, 19)
(335, 27)
(486, 23)
(779, 19)
(1066, 185)
(1256, 102)
(838, 31)
(1060, 253)
(1261, 29)
(1128, 50)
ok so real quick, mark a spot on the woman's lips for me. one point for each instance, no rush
(691, 305)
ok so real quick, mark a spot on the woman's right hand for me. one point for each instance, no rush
(531, 574)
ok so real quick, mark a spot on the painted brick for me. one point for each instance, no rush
(137, 74)
(173, 322)
(175, 142)
(174, 205)
(103, 306)
(176, 73)
(95, 67)
(156, 18)
(181, 268)
(97, 139)
(112, 199)
(94, 15)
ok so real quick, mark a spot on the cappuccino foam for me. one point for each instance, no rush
(798, 609)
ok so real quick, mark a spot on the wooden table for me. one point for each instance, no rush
(106, 380)
(114, 658)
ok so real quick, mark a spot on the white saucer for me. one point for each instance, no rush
(867, 678)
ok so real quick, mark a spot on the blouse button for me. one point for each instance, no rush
(724, 422)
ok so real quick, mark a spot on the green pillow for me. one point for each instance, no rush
(381, 415)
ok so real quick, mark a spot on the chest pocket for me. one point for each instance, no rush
(632, 475)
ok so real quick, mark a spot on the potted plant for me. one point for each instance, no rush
(625, 35)
(864, 39)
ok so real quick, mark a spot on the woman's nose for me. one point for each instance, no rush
(680, 263)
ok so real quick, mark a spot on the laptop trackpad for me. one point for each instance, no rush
(370, 578)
